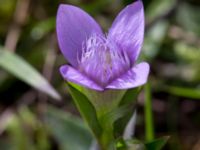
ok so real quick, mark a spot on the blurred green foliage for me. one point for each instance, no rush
(32, 120)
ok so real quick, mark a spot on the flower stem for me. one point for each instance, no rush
(106, 140)
(149, 127)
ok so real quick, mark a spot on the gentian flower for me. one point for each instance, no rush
(101, 61)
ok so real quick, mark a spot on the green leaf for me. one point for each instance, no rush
(69, 131)
(157, 144)
(17, 66)
(86, 109)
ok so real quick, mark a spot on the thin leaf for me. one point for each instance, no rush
(183, 91)
(20, 68)
(157, 144)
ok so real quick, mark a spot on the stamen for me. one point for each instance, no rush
(102, 60)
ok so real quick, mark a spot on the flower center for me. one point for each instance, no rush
(102, 60)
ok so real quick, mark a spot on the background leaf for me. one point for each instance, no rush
(157, 144)
(183, 91)
(69, 131)
(20, 68)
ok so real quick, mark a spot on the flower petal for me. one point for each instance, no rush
(133, 78)
(74, 26)
(128, 29)
(72, 75)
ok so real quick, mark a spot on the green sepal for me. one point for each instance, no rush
(107, 123)
(129, 100)
(86, 109)
(104, 101)
(112, 109)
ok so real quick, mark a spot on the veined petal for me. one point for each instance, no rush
(128, 29)
(135, 77)
(72, 75)
(74, 26)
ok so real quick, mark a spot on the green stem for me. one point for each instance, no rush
(107, 137)
(107, 141)
(149, 126)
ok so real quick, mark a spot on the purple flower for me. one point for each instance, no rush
(102, 61)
